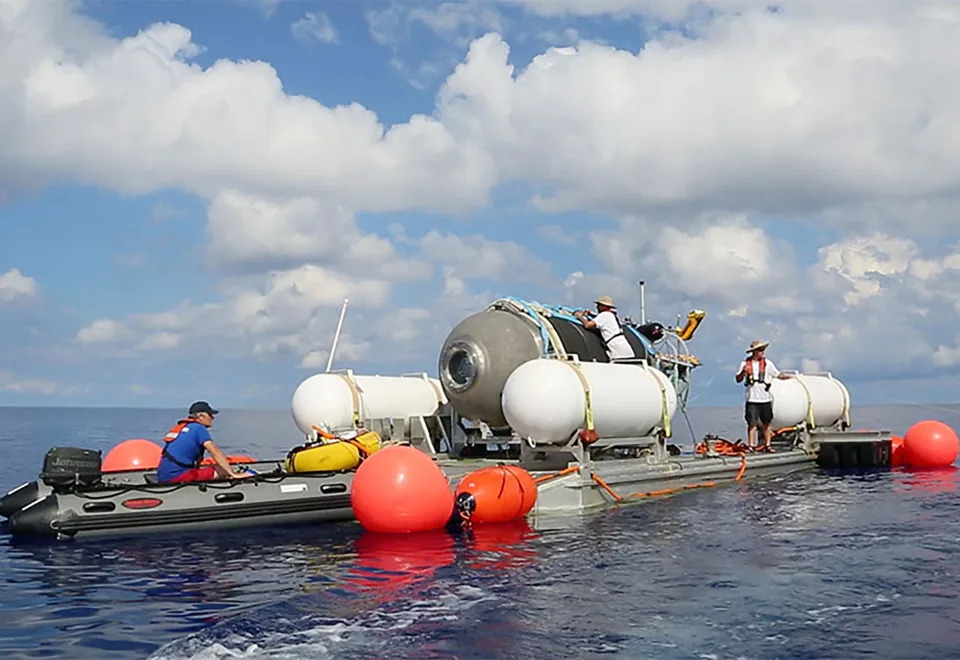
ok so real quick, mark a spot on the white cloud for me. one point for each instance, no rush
(782, 112)
(859, 261)
(556, 234)
(478, 257)
(137, 115)
(160, 341)
(15, 285)
(10, 383)
(315, 27)
(100, 331)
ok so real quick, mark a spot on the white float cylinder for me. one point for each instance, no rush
(544, 400)
(822, 395)
(329, 400)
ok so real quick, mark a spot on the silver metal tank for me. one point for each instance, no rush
(483, 350)
(479, 355)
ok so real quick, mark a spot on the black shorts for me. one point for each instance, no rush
(758, 414)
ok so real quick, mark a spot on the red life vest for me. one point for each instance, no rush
(761, 376)
(172, 435)
(175, 430)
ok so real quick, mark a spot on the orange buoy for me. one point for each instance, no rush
(135, 454)
(896, 451)
(239, 458)
(495, 494)
(930, 444)
(401, 489)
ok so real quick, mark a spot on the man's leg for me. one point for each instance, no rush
(751, 417)
(196, 474)
(766, 419)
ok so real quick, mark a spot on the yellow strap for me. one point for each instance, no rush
(355, 394)
(664, 416)
(586, 393)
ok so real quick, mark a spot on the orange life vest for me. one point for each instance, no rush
(761, 376)
(171, 436)
(176, 429)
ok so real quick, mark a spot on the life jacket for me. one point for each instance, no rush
(761, 374)
(172, 435)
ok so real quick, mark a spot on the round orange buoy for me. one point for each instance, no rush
(930, 444)
(896, 451)
(401, 489)
(135, 454)
(239, 458)
(495, 494)
(527, 485)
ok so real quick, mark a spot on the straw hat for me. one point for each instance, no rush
(756, 345)
(605, 300)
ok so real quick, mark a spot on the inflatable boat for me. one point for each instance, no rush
(73, 498)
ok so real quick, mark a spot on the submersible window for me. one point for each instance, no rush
(462, 368)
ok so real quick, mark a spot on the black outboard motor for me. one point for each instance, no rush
(64, 467)
(652, 331)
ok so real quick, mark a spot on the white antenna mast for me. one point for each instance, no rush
(336, 336)
(643, 304)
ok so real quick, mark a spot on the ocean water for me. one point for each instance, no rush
(811, 565)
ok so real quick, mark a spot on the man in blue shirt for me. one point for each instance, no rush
(183, 450)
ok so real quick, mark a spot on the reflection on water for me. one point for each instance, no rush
(807, 565)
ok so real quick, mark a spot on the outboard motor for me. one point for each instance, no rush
(69, 466)
(652, 331)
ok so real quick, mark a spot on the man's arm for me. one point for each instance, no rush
(221, 460)
(587, 323)
(742, 373)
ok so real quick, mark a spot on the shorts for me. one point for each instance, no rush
(758, 414)
(195, 474)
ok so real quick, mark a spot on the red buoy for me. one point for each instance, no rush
(930, 444)
(401, 489)
(135, 454)
(896, 451)
(496, 494)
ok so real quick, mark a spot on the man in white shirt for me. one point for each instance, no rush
(609, 325)
(757, 373)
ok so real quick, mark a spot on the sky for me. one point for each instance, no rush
(189, 190)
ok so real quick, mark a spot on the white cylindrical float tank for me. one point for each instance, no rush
(330, 400)
(822, 395)
(544, 399)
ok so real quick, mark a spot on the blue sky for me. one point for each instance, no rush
(189, 190)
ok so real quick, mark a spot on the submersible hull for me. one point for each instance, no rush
(483, 350)
(133, 503)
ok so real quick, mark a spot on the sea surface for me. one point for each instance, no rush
(811, 565)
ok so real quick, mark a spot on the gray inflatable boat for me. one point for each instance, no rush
(73, 499)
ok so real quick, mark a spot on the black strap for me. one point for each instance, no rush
(170, 458)
(607, 341)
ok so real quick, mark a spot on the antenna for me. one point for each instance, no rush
(643, 304)
(336, 336)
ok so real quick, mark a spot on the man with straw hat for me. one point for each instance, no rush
(757, 372)
(609, 325)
